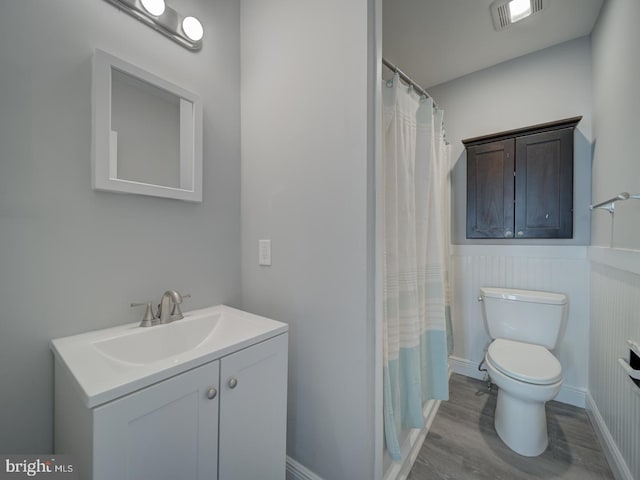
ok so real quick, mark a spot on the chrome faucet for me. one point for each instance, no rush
(165, 313)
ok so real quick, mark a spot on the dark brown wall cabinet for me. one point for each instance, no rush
(520, 182)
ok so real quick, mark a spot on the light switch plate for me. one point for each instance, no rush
(264, 252)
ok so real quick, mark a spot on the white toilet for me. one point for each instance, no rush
(525, 326)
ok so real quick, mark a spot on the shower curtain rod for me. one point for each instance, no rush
(415, 86)
(408, 79)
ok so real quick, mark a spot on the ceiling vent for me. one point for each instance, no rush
(507, 12)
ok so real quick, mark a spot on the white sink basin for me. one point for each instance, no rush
(150, 344)
(107, 364)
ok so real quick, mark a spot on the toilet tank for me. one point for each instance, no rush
(524, 315)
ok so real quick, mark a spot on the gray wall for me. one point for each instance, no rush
(72, 259)
(616, 81)
(304, 186)
(615, 272)
(540, 87)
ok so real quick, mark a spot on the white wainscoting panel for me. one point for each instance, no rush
(554, 268)
(615, 317)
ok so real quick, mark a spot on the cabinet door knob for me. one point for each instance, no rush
(212, 393)
(233, 382)
(508, 234)
(520, 233)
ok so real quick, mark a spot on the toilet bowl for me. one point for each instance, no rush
(525, 326)
(527, 376)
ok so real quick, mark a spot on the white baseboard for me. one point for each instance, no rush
(569, 394)
(465, 367)
(614, 457)
(297, 471)
(572, 395)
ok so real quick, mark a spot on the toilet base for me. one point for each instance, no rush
(521, 425)
(520, 416)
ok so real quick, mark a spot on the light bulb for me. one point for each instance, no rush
(192, 28)
(154, 7)
(519, 9)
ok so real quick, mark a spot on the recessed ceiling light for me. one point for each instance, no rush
(154, 7)
(507, 12)
(519, 9)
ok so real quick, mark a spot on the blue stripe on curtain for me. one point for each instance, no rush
(420, 373)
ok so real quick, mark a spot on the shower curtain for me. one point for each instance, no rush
(415, 275)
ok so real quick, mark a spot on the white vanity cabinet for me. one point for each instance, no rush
(224, 419)
(253, 412)
(165, 431)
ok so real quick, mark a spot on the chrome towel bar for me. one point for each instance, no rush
(609, 205)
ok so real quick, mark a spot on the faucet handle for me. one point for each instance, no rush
(148, 319)
(182, 297)
(176, 313)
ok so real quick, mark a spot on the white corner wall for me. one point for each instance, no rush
(544, 86)
(614, 401)
(305, 174)
(71, 259)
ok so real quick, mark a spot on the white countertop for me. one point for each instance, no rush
(102, 377)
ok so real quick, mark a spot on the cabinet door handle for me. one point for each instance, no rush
(212, 393)
(233, 382)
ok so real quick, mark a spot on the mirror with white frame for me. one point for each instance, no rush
(147, 133)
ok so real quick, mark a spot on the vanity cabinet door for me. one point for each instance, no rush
(167, 431)
(253, 412)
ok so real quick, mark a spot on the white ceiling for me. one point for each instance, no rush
(434, 41)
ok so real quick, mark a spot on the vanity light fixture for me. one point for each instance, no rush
(185, 30)
(508, 12)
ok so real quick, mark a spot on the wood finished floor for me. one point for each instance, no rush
(463, 444)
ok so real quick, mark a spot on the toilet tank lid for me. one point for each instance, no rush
(532, 296)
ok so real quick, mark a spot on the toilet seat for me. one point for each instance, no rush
(524, 361)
